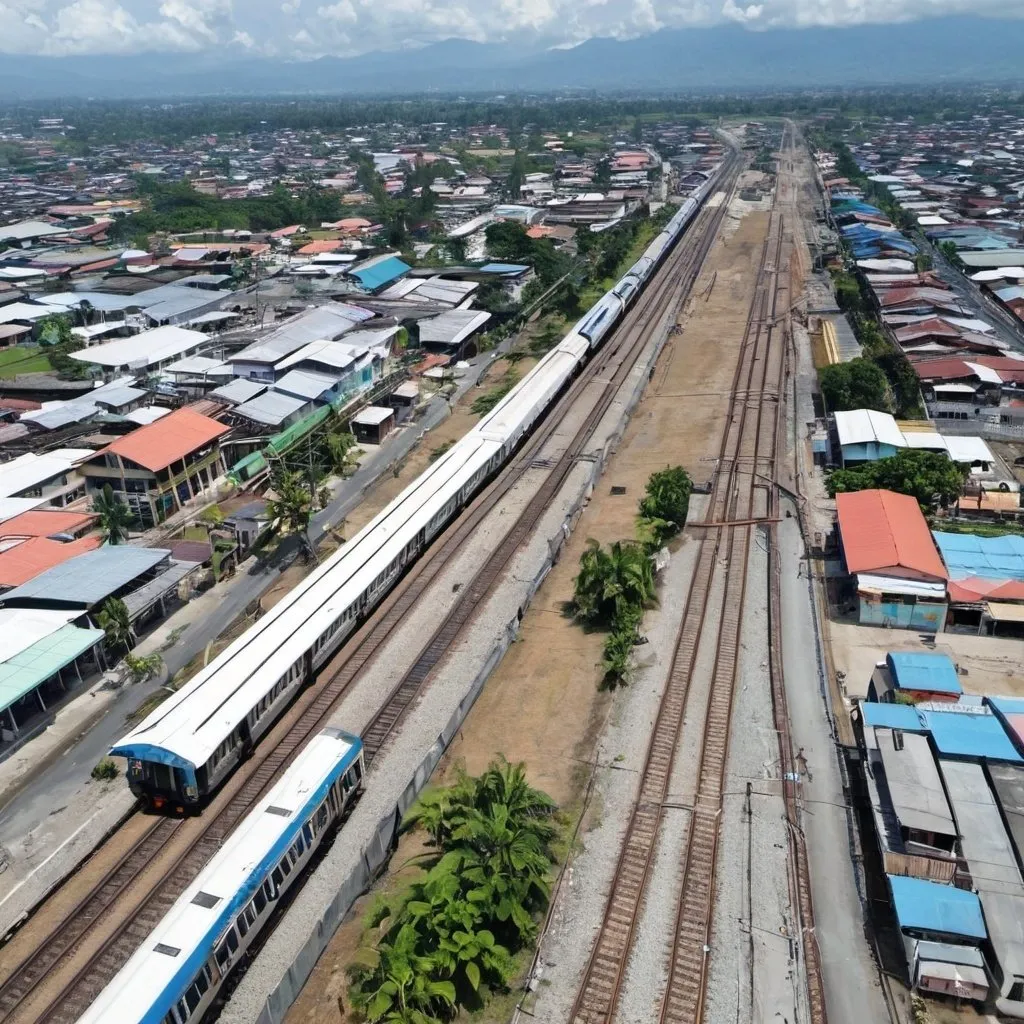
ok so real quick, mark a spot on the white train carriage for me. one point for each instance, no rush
(641, 270)
(509, 421)
(185, 748)
(602, 317)
(627, 290)
(175, 975)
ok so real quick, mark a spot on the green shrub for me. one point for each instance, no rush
(105, 770)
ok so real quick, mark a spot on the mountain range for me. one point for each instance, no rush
(945, 51)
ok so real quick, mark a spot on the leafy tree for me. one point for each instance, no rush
(930, 477)
(55, 329)
(114, 516)
(665, 503)
(952, 254)
(848, 294)
(611, 581)
(113, 619)
(858, 384)
(339, 444)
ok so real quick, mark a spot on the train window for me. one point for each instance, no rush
(222, 955)
(321, 816)
(307, 831)
(182, 1010)
(285, 867)
(202, 982)
(243, 926)
(277, 876)
(193, 998)
(259, 900)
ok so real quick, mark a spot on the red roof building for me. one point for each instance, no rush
(161, 466)
(26, 560)
(42, 522)
(884, 533)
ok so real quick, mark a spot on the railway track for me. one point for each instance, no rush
(606, 372)
(746, 460)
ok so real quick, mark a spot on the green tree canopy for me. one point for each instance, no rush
(612, 581)
(932, 478)
(665, 503)
(858, 384)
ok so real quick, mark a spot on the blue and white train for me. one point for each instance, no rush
(175, 975)
(183, 751)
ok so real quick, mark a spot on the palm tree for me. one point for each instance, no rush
(115, 517)
(505, 784)
(616, 657)
(612, 581)
(114, 620)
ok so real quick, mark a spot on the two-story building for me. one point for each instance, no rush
(158, 468)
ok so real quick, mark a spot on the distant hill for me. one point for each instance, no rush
(936, 51)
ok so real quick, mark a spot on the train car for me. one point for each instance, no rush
(641, 270)
(175, 975)
(602, 317)
(627, 290)
(180, 753)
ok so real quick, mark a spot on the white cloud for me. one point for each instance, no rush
(346, 27)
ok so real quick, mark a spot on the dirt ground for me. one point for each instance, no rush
(988, 665)
(542, 705)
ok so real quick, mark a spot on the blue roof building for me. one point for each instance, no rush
(379, 272)
(932, 909)
(977, 736)
(923, 672)
(891, 716)
(993, 558)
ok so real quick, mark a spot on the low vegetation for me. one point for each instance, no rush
(664, 506)
(105, 770)
(933, 479)
(447, 944)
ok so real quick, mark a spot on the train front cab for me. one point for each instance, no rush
(160, 780)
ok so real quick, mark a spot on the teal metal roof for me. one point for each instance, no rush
(373, 276)
(27, 669)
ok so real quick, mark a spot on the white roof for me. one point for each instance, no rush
(999, 274)
(11, 507)
(984, 373)
(145, 349)
(198, 365)
(20, 628)
(895, 266)
(862, 426)
(959, 388)
(28, 229)
(899, 585)
(373, 415)
(968, 449)
(330, 353)
(25, 311)
(229, 880)
(147, 414)
(928, 440)
(931, 220)
(306, 383)
(31, 470)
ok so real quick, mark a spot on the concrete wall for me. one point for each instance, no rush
(927, 617)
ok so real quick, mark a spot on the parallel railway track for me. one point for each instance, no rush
(607, 371)
(746, 466)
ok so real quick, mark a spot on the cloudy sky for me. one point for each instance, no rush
(311, 28)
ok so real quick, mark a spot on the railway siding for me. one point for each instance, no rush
(273, 981)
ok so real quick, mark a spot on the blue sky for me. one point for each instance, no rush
(312, 28)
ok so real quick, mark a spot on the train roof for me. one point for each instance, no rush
(549, 374)
(149, 984)
(187, 728)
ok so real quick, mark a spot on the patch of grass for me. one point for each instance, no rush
(23, 359)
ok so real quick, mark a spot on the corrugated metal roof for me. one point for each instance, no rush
(994, 558)
(239, 390)
(453, 327)
(328, 321)
(890, 716)
(378, 272)
(165, 441)
(974, 734)
(306, 384)
(924, 671)
(145, 349)
(914, 783)
(882, 530)
(862, 426)
(926, 906)
(32, 666)
(271, 408)
(88, 579)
